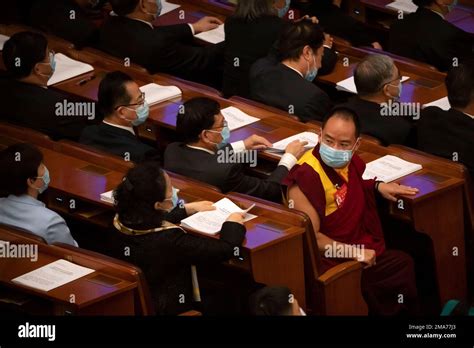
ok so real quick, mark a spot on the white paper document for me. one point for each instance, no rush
(389, 168)
(442, 103)
(406, 6)
(67, 68)
(213, 36)
(3, 39)
(236, 118)
(107, 197)
(310, 137)
(53, 275)
(210, 222)
(168, 7)
(155, 93)
(348, 85)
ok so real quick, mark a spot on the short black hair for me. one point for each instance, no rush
(296, 35)
(346, 114)
(135, 197)
(423, 3)
(460, 84)
(22, 51)
(18, 163)
(123, 7)
(113, 92)
(271, 300)
(252, 9)
(198, 115)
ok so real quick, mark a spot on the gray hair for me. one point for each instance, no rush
(373, 73)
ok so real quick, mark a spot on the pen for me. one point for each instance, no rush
(83, 81)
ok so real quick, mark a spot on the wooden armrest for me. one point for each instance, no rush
(190, 314)
(339, 271)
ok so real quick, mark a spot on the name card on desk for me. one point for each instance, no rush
(389, 168)
(210, 222)
(3, 39)
(442, 103)
(155, 93)
(236, 118)
(348, 85)
(53, 275)
(67, 68)
(168, 7)
(213, 36)
(108, 197)
(406, 6)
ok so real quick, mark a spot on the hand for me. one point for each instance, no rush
(377, 46)
(195, 207)
(313, 19)
(328, 40)
(296, 148)
(236, 217)
(368, 257)
(205, 24)
(392, 190)
(256, 142)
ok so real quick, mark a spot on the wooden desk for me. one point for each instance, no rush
(192, 11)
(103, 292)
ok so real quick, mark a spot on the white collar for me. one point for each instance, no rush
(141, 20)
(439, 14)
(471, 116)
(202, 149)
(130, 129)
(293, 69)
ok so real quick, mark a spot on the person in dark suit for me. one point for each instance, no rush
(426, 36)
(124, 107)
(148, 215)
(335, 22)
(450, 134)
(69, 19)
(379, 86)
(251, 33)
(168, 49)
(207, 156)
(26, 100)
(288, 83)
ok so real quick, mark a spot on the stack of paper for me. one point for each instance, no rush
(213, 36)
(348, 85)
(108, 197)
(53, 275)
(442, 103)
(3, 39)
(168, 7)
(406, 6)
(210, 222)
(67, 68)
(310, 137)
(389, 168)
(236, 118)
(155, 93)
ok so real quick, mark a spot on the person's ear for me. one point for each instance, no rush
(31, 183)
(159, 206)
(307, 53)
(357, 144)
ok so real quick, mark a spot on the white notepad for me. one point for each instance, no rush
(442, 103)
(236, 118)
(108, 197)
(213, 36)
(3, 39)
(310, 137)
(53, 275)
(210, 222)
(168, 7)
(348, 85)
(155, 93)
(406, 6)
(67, 68)
(389, 168)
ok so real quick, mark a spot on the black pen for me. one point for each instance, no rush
(83, 81)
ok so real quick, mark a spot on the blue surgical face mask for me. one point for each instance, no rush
(174, 198)
(52, 64)
(142, 114)
(451, 7)
(46, 180)
(159, 8)
(400, 88)
(335, 158)
(282, 11)
(312, 73)
(225, 134)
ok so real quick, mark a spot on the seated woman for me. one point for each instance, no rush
(23, 176)
(147, 208)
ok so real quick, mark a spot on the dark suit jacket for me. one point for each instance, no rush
(165, 49)
(427, 37)
(116, 141)
(388, 129)
(203, 166)
(444, 133)
(279, 86)
(166, 257)
(34, 107)
(54, 17)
